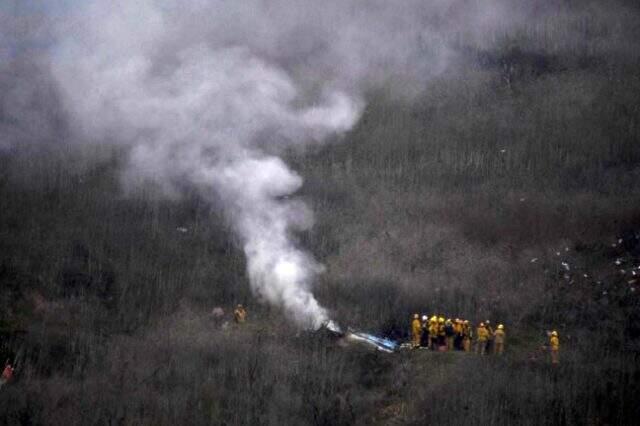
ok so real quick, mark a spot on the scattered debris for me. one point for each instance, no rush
(380, 343)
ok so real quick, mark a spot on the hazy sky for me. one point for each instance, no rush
(30, 6)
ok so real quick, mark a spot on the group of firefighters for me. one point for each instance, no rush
(440, 334)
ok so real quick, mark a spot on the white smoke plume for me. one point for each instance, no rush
(211, 93)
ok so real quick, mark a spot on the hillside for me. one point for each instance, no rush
(463, 199)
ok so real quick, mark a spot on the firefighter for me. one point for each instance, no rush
(433, 333)
(498, 340)
(441, 333)
(240, 314)
(487, 325)
(554, 346)
(466, 336)
(457, 328)
(424, 332)
(449, 333)
(481, 342)
(416, 329)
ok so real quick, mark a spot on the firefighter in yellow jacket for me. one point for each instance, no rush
(416, 330)
(457, 339)
(498, 340)
(481, 342)
(433, 333)
(554, 346)
(466, 336)
(441, 334)
(240, 314)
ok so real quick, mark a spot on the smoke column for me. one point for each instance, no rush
(215, 117)
(212, 92)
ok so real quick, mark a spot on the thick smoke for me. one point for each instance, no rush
(213, 116)
(211, 93)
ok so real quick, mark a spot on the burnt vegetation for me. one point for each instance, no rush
(463, 200)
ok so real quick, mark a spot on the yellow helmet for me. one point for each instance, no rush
(554, 333)
(465, 322)
(434, 319)
(441, 319)
(500, 327)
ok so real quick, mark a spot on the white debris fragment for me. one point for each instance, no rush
(614, 245)
(620, 241)
(182, 229)
(534, 260)
(566, 249)
(566, 266)
(618, 262)
(586, 276)
(604, 293)
(522, 200)
(557, 253)
(622, 271)
(503, 151)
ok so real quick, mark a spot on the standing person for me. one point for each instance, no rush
(7, 374)
(240, 314)
(554, 346)
(457, 328)
(467, 335)
(487, 325)
(499, 337)
(449, 333)
(433, 333)
(424, 332)
(481, 343)
(415, 331)
(441, 334)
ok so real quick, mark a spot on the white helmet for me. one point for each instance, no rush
(425, 318)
